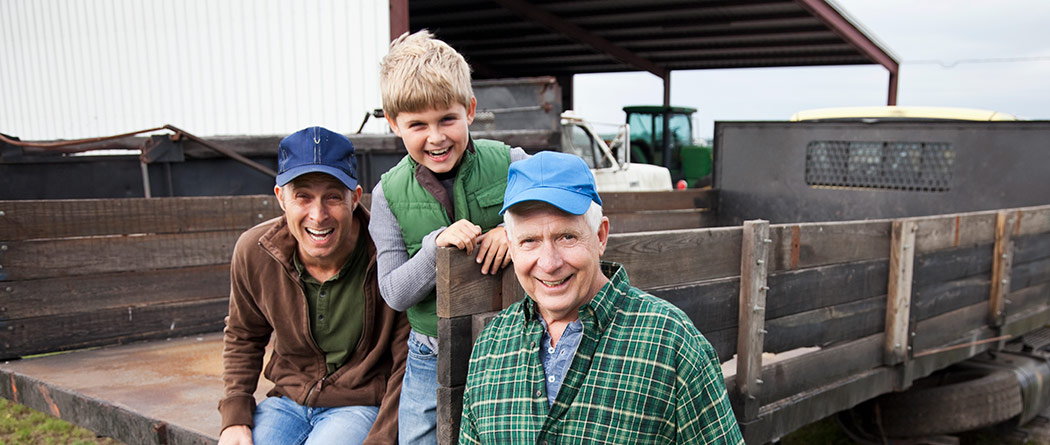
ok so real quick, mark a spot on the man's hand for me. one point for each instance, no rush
(492, 250)
(236, 435)
(463, 234)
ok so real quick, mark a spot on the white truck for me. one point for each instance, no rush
(611, 165)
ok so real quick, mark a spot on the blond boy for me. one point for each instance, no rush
(447, 191)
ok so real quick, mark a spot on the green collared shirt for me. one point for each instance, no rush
(337, 306)
(643, 374)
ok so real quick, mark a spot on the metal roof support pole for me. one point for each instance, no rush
(891, 98)
(667, 120)
(398, 18)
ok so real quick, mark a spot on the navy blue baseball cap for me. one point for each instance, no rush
(316, 149)
(559, 179)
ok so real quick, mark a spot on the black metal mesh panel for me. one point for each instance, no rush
(913, 166)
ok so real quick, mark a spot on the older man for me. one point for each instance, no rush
(586, 358)
(308, 281)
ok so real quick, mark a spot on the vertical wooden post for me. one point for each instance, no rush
(1002, 262)
(898, 300)
(751, 335)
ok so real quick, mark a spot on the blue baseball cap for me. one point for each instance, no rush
(316, 149)
(559, 179)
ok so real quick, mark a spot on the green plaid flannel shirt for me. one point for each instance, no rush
(643, 374)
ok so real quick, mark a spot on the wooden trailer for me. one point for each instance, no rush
(935, 246)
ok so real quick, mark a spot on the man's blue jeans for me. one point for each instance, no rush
(417, 412)
(281, 421)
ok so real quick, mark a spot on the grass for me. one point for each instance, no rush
(20, 425)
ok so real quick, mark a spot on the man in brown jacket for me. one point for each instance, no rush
(308, 280)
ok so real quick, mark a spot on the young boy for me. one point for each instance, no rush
(448, 191)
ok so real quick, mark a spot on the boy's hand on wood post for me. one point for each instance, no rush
(493, 250)
(462, 234)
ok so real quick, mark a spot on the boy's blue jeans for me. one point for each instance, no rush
(281, 421)
(417, 412)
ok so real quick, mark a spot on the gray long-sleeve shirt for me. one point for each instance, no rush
(405, 281)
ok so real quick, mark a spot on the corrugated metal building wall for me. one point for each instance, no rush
(73, 69)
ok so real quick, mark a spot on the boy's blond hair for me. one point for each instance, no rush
(421, 73)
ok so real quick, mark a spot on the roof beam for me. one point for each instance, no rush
(843, 27)
(574, 32)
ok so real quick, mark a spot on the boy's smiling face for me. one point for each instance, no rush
(435, 138)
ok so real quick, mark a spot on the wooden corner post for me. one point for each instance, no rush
(753, 270)
(898, 299)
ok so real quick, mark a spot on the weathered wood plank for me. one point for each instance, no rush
(62, 218)
(805, 373)
(1002, 261)
(630, 202)
(957, 230)
(953, 264)
(661, 220)
(945, 329)
(778, 419)
(461, 287)
(510, 288)
(1031, 247)
(26, 260)
(826, 326)
(713, 304)
(936, 299)
(55, 296)
(454, 344)
(106, 419)
(752, 314)
(898, 297)
(1024, 299)
(802, 290)
(449, 414)
(478, 323)
(1026, 321)
(667, 258)
(119, 325)
(817, 244)
(1034, 220)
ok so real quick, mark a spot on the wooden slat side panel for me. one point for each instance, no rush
(781, 418)
(953, 264)
(656, 220)
(48, 219)
(808, 289)
(1023, 300)
(656, 259)
(936, 299)
(449, 413)
(1031, 247)
(816, 244)
(627, 202)
(1034, 220)
(455, 343)
(956, 230)
(713, 304)
(947, 328)
(26, 260)
(827, 326)
(56, 296)
(85, 329)
(815, 369)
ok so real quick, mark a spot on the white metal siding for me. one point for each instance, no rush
(75, 68)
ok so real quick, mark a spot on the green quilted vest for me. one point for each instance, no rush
(477, 196)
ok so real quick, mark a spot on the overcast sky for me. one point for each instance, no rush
(951, 53)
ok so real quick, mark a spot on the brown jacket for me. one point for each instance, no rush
(267, 297)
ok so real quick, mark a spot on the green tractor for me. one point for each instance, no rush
(688, 161)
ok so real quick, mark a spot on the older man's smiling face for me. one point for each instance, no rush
(556, 259)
